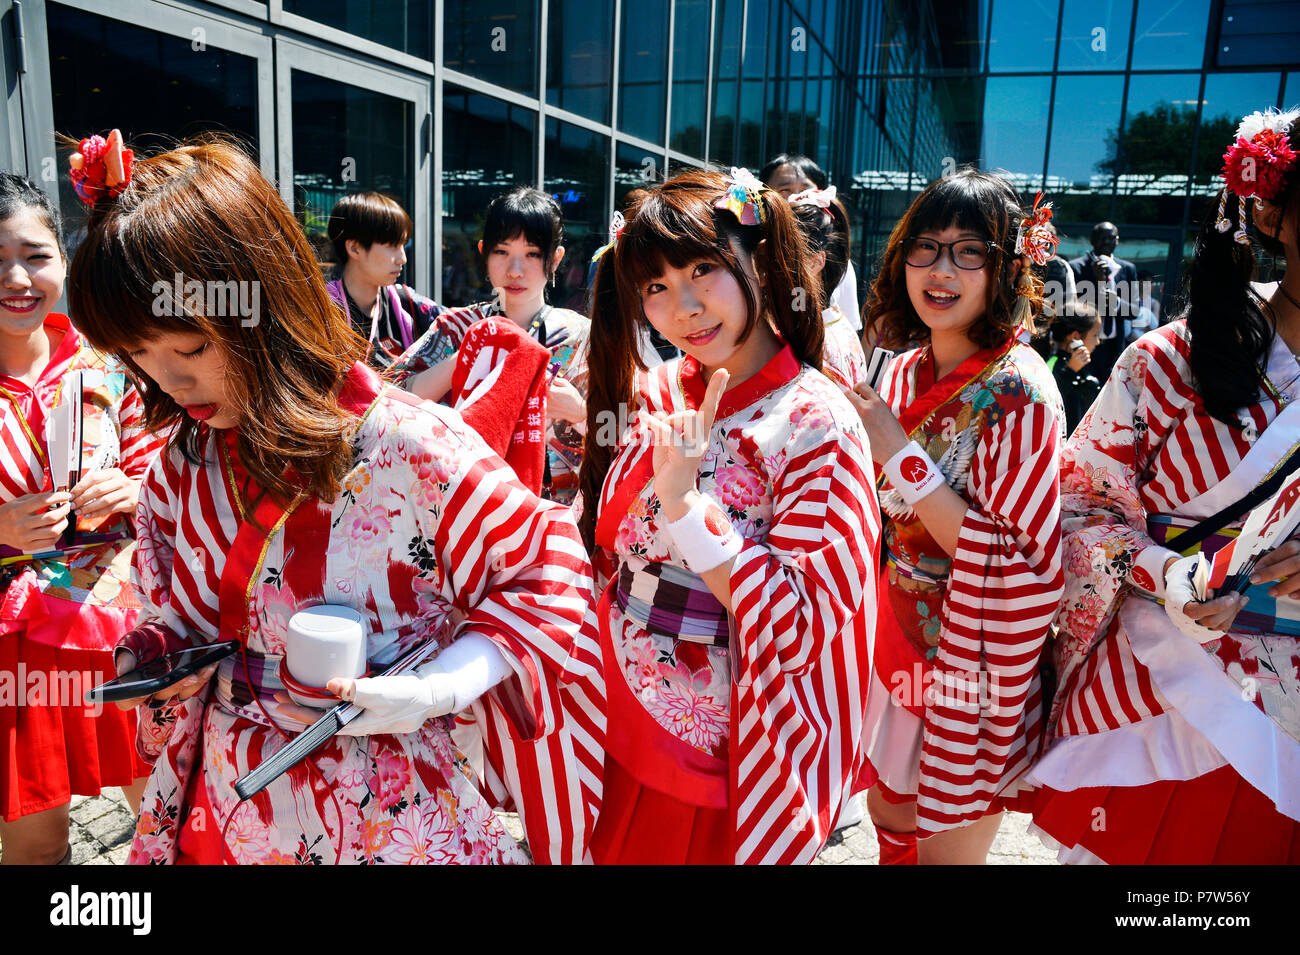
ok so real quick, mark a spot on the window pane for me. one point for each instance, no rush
(1023, 35)
(1082, 142)
(958, 42)
(98, 68)
(488, 147)
(1094, 35)
(948, 124)
(578, 57)
(1228, 97)
(642, 97)
(494, 40)
(1170, 34)
(690, 69)
(726, 67)
(577, 164)
(1159, 123)
(634, 168)
(400, 24)
(1291, 95)
(1015, 115)
(333, 119)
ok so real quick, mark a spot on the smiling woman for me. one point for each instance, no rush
(65, 551)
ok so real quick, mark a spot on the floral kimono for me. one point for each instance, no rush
(430, 538)
(62, 611)
(955, 707)
(743, 728)
(1149, 728)
(843, 359)
(564, 332)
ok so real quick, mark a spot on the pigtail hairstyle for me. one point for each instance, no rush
(610, 381)
(973, 201)
(675, 225)
(202, 219)
(1229, 332)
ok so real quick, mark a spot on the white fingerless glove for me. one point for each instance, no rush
(1178, 593)
(448, 683)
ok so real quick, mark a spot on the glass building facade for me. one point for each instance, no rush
(1116, 109)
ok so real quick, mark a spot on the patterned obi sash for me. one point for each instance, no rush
(1263, 613)
(911, 577)
(234, 686)
(670, 601)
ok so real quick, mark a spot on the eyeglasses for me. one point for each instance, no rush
(968, 254)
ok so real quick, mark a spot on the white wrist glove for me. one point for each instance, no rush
(402, 703)
(1178, 593)
(448, 683)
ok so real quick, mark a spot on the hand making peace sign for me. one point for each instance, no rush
(680, 440)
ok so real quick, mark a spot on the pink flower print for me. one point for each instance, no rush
(428, 464)
(738, 487)
(270, 617)
(1084, 615)
(642, 664)
(246, 838)
(149, 850)
(390, 777)
(814, 416)
(369, 524)
(421, 835)
(687, 711)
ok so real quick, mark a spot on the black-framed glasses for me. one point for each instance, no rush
(969, 254)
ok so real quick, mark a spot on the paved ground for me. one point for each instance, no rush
(102, 827)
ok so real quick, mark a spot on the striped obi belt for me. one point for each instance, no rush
(670, 601)
(237, 687)
(1263, 613)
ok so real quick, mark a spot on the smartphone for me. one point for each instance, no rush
(167, 670)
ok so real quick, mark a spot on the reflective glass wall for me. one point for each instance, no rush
(1117, 109)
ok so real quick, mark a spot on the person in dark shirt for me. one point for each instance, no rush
(1074, 334)
(369, 231)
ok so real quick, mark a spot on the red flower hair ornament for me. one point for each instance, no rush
(1036, 238)
(101, 169)
(1256, 164)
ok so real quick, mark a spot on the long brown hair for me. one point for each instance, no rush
(674, 226)
(204, 212)
(982, 203)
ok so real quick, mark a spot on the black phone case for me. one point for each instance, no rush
(125, 688)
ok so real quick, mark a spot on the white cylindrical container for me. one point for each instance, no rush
(323, 643)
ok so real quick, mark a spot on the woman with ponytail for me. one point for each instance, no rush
(1175, 734)
(966, 431)
(728, 496)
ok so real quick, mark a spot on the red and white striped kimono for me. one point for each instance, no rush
(62, 611)
(1163, 750)
(431, 538)
(735, 743)
(955, 709)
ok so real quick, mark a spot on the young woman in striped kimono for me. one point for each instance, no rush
(295, 478)
(1175, 735)
(966, 430)
(728, 496)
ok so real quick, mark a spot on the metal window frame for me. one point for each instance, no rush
(292, 53)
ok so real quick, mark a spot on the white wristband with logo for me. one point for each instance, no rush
(705, 537)
(913, 474)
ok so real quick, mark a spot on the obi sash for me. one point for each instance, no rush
(670, 601)
(1263, 613)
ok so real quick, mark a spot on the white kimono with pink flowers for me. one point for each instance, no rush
(431, 538)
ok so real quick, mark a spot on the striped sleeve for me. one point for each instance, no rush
(801, 588)
(1103, 526)
(982, 723)
(139, 445)
(517, 573)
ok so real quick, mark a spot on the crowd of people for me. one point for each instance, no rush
(686, 579)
